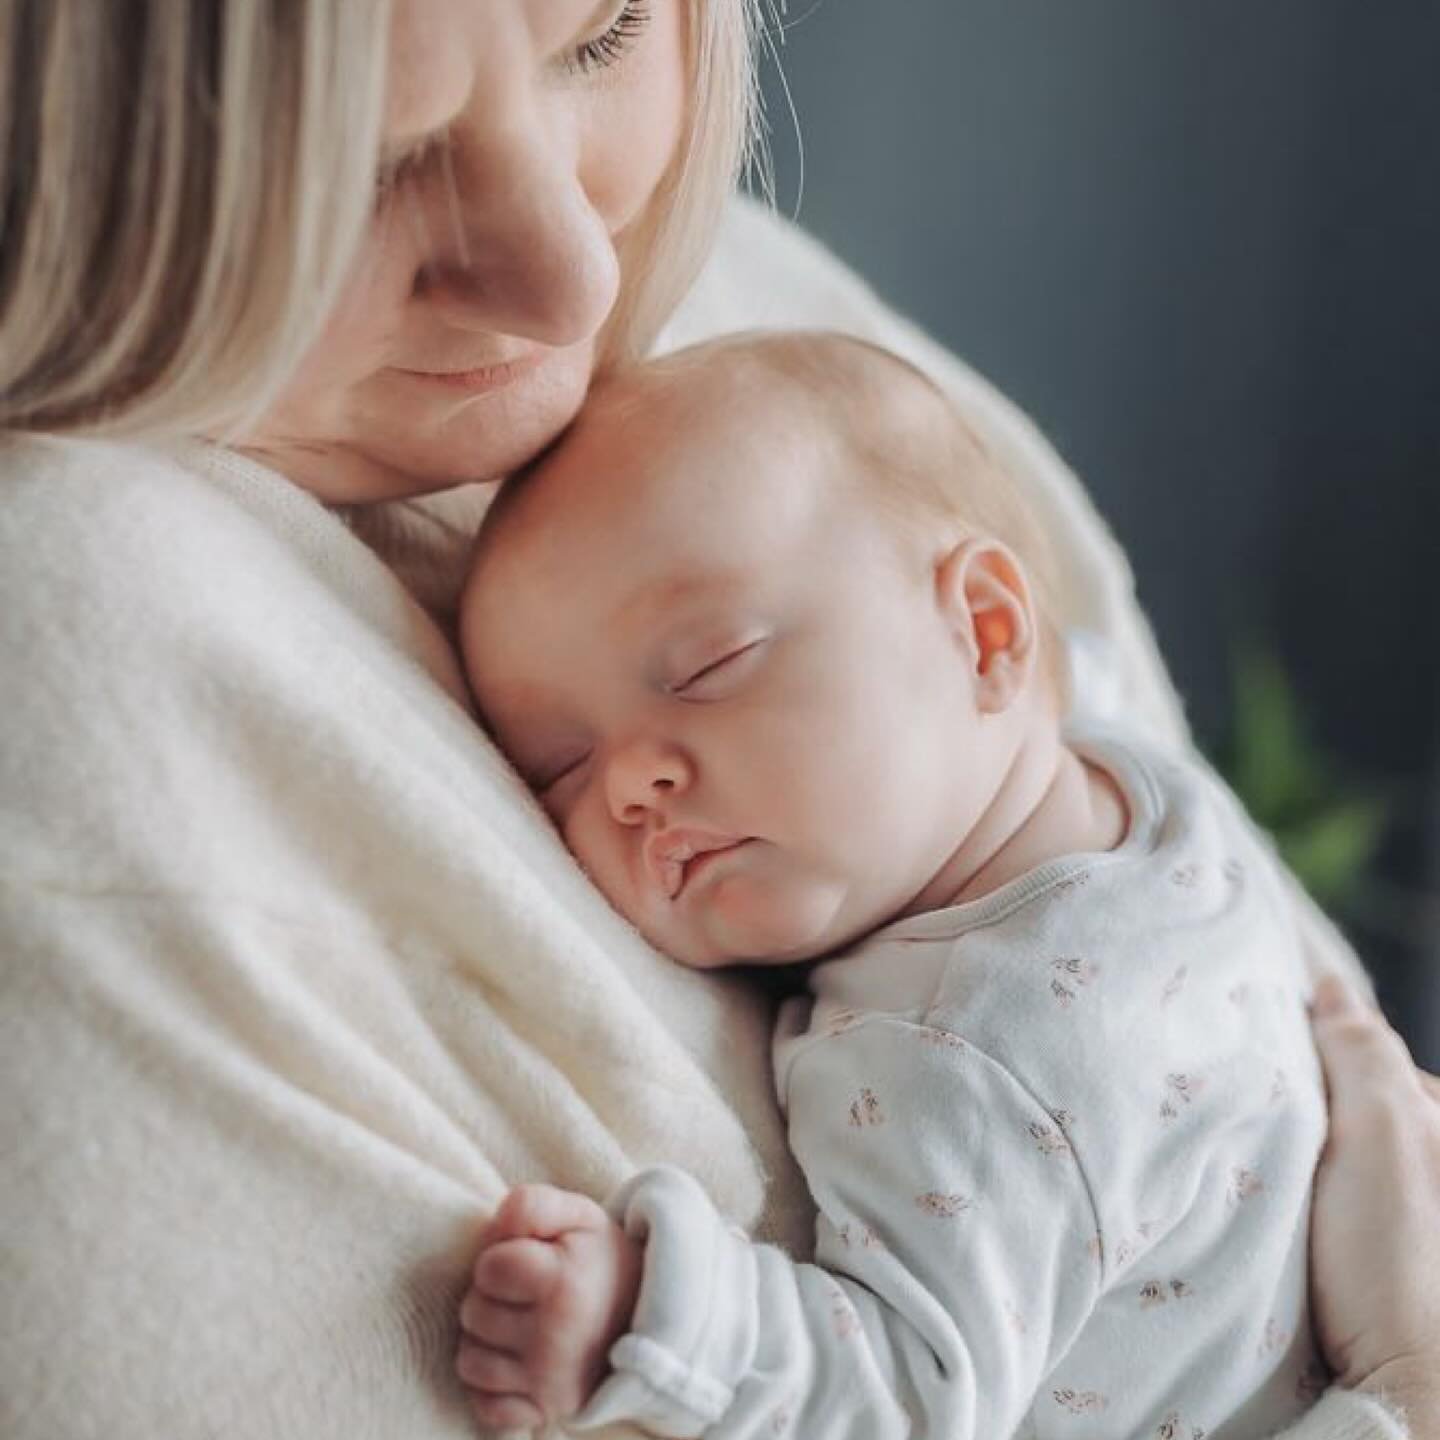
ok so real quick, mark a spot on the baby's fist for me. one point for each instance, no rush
(553, 1288)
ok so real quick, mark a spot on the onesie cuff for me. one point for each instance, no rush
(1348, 1415)
(694, 1331)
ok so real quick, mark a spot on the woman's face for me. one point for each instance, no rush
(522, 139)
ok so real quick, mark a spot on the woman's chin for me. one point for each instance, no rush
(439, 435)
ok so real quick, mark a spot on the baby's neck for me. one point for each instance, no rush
(1049, 803)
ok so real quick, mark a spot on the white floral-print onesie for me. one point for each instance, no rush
(1061, 1139)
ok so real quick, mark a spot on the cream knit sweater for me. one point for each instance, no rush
(295, 981)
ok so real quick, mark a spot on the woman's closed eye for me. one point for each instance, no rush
(719, 677)
(610, 45)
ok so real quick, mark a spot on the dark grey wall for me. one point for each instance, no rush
(1201, 244)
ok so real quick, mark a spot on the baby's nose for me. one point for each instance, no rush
(642, 775)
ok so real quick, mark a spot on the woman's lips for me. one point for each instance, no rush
(482, 378)
(675, 857)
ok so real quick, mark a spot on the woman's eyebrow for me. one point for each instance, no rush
(397, 151)
(597, 13)
(567, 30)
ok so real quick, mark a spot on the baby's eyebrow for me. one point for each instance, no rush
(674, 591)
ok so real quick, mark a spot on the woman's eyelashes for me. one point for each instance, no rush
(609, 47)
(719, 677)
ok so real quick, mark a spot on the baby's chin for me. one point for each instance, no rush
(737, 922)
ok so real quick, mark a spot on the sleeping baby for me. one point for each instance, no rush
(770, 637)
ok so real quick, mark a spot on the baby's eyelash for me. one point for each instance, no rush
(716, 665)
(546, 781)
(608, 48)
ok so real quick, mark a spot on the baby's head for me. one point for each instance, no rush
(759, 633)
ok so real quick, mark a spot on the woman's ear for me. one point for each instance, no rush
(984, 600)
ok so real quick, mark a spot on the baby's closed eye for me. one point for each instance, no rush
(715, 677)
(544, 777)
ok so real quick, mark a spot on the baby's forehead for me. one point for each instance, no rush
(701, 450)
(728, 443)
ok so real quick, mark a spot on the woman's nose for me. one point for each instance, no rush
(641, 776)
(521, 251)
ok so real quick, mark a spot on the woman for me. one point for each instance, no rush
(296, 981)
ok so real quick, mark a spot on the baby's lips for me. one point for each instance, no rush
(668, 852)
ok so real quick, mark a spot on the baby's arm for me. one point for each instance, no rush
(927, 1283)
(553, 1288)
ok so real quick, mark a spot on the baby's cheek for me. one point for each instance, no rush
(762, 916)
(586, 839)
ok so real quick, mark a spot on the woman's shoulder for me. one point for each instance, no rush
(93, 536)
(765, 272)
(99, 533)
(113, 502)
(50, 485)
(81, 520)
(162, 616)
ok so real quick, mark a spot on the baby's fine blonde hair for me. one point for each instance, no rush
(924, 465)
(924, 468)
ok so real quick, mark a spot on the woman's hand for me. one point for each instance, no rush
(1376, 1232)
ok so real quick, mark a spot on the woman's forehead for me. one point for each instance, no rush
(441, 49)
(431, 69)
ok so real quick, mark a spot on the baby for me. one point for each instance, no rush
(769, 637)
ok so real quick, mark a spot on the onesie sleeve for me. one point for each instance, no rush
(955, 1261)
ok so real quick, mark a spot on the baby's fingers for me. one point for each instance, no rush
(506, 1412)
(502, 1327)
(519, 1272)
(542, 1212)
(483, 1368)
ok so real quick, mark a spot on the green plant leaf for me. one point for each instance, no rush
(1273, 768)
(1330, 851)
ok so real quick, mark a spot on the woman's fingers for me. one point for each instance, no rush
(1333, 996)
(1354, 1038)
(1376, 1228)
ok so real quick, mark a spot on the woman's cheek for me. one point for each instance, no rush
(633, 130)
(359, 336)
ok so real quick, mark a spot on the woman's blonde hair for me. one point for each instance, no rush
(685, 211)
(177, 217)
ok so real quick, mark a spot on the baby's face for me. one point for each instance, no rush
(729, 681)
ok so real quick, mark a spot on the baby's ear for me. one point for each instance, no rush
(985, 602)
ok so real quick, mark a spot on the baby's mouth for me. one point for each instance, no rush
(671, 856)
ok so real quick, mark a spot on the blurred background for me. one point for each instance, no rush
(1200, 244)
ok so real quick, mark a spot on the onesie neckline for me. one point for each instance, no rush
(1138, 785)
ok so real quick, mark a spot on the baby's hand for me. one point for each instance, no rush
(553, 1288)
